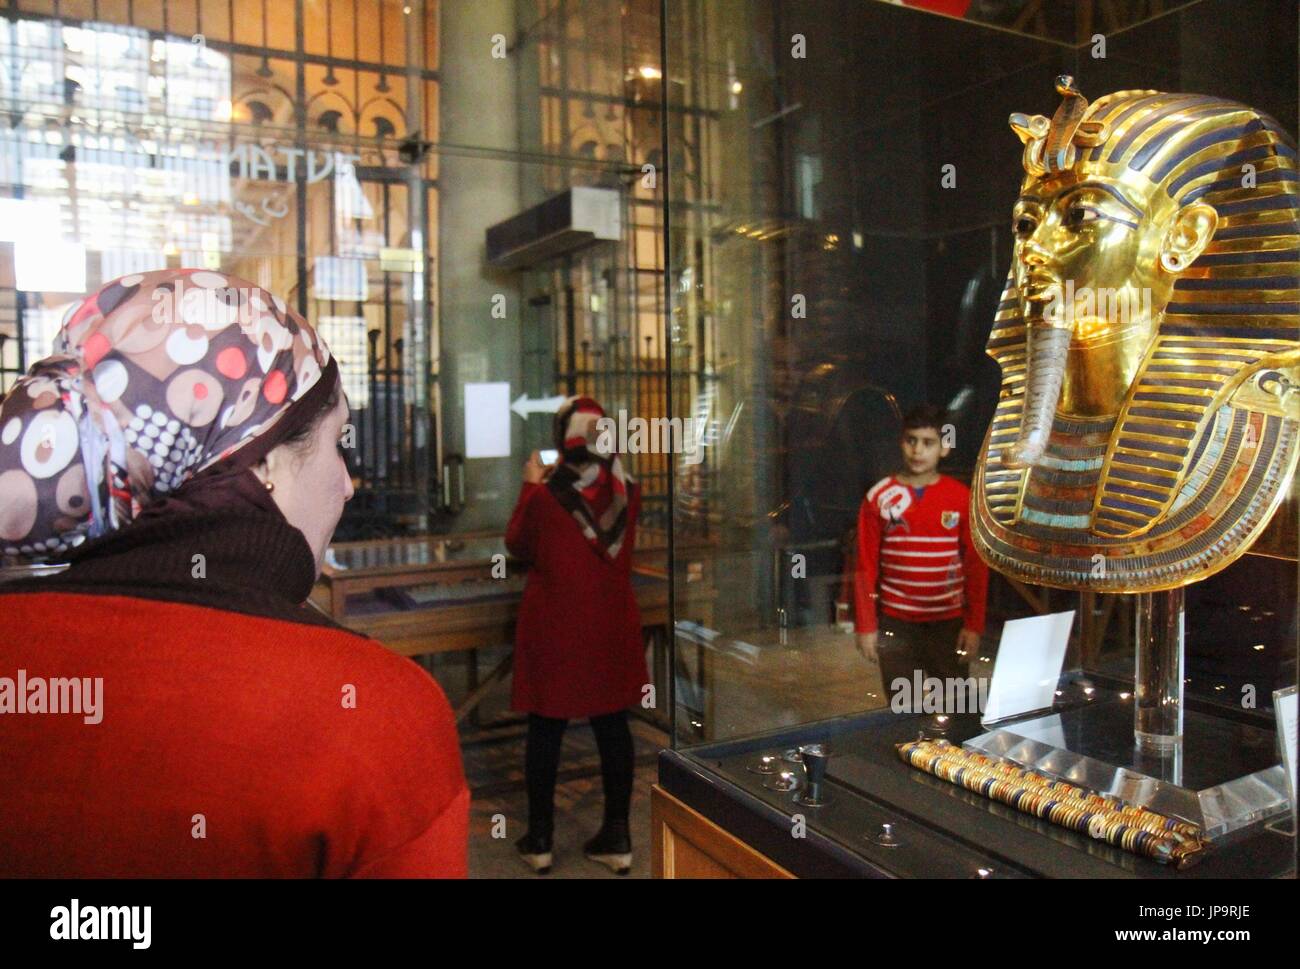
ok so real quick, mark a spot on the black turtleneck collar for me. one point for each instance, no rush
(251, 562)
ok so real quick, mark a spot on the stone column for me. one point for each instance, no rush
(478, 109)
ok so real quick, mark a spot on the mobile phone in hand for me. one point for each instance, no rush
(550, 456)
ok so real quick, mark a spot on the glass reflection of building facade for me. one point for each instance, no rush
(263, 138)
(299, 145)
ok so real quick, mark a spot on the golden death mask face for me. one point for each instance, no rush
(1148, 339)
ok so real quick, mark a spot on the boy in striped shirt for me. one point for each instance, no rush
(919, 579)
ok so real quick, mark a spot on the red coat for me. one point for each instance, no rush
(238, 718)
(578, 650)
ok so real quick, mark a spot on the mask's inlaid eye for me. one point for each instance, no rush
(1079, 215)
(1025, 226)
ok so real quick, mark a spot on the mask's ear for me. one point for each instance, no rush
(1192, 229)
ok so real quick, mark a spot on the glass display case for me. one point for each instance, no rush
(772, 230)
(853, 231)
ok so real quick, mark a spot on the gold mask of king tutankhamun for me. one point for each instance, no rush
(1148, 339)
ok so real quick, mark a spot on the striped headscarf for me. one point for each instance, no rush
(589, 481)
(155, 378)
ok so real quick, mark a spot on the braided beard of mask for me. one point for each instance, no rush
(1047, 351)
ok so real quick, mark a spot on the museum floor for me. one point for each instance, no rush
(494, 767)
(814, 675)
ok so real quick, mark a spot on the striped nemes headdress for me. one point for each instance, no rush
(1204, 447)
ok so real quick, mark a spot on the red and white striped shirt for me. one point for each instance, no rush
(915, 555)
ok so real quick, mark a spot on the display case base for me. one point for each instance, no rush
(1224, 776)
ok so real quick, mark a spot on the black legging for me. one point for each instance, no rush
(542, 761)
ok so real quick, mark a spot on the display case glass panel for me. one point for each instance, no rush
(841, 234)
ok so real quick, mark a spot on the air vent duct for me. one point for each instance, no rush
(562, 224)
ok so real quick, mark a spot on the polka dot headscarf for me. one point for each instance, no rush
(154, 378)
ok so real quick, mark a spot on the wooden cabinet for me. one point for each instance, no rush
(686, 844)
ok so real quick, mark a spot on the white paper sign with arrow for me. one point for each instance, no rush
(487, 420)
(525, 405)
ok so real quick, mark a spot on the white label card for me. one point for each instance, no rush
(1284, 708)
(1028, 666)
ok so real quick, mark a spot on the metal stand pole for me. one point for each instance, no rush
(1158, 675)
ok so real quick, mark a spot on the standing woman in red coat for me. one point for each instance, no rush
(578, 650)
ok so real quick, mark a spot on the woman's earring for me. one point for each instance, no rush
(1171, 261)
(269, 485)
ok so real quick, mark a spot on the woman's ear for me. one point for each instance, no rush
(263, 470)
(1187, 238)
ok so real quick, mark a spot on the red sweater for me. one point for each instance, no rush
(578, 649)
(915, 555)
(236, 726)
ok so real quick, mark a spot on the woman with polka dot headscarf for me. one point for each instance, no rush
(159, 379)
(181, 452)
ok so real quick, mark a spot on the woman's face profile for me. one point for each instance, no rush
(312, 482)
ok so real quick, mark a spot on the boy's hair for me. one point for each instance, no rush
(925, 415)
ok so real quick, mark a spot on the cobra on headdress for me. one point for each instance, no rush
(1053, 146)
